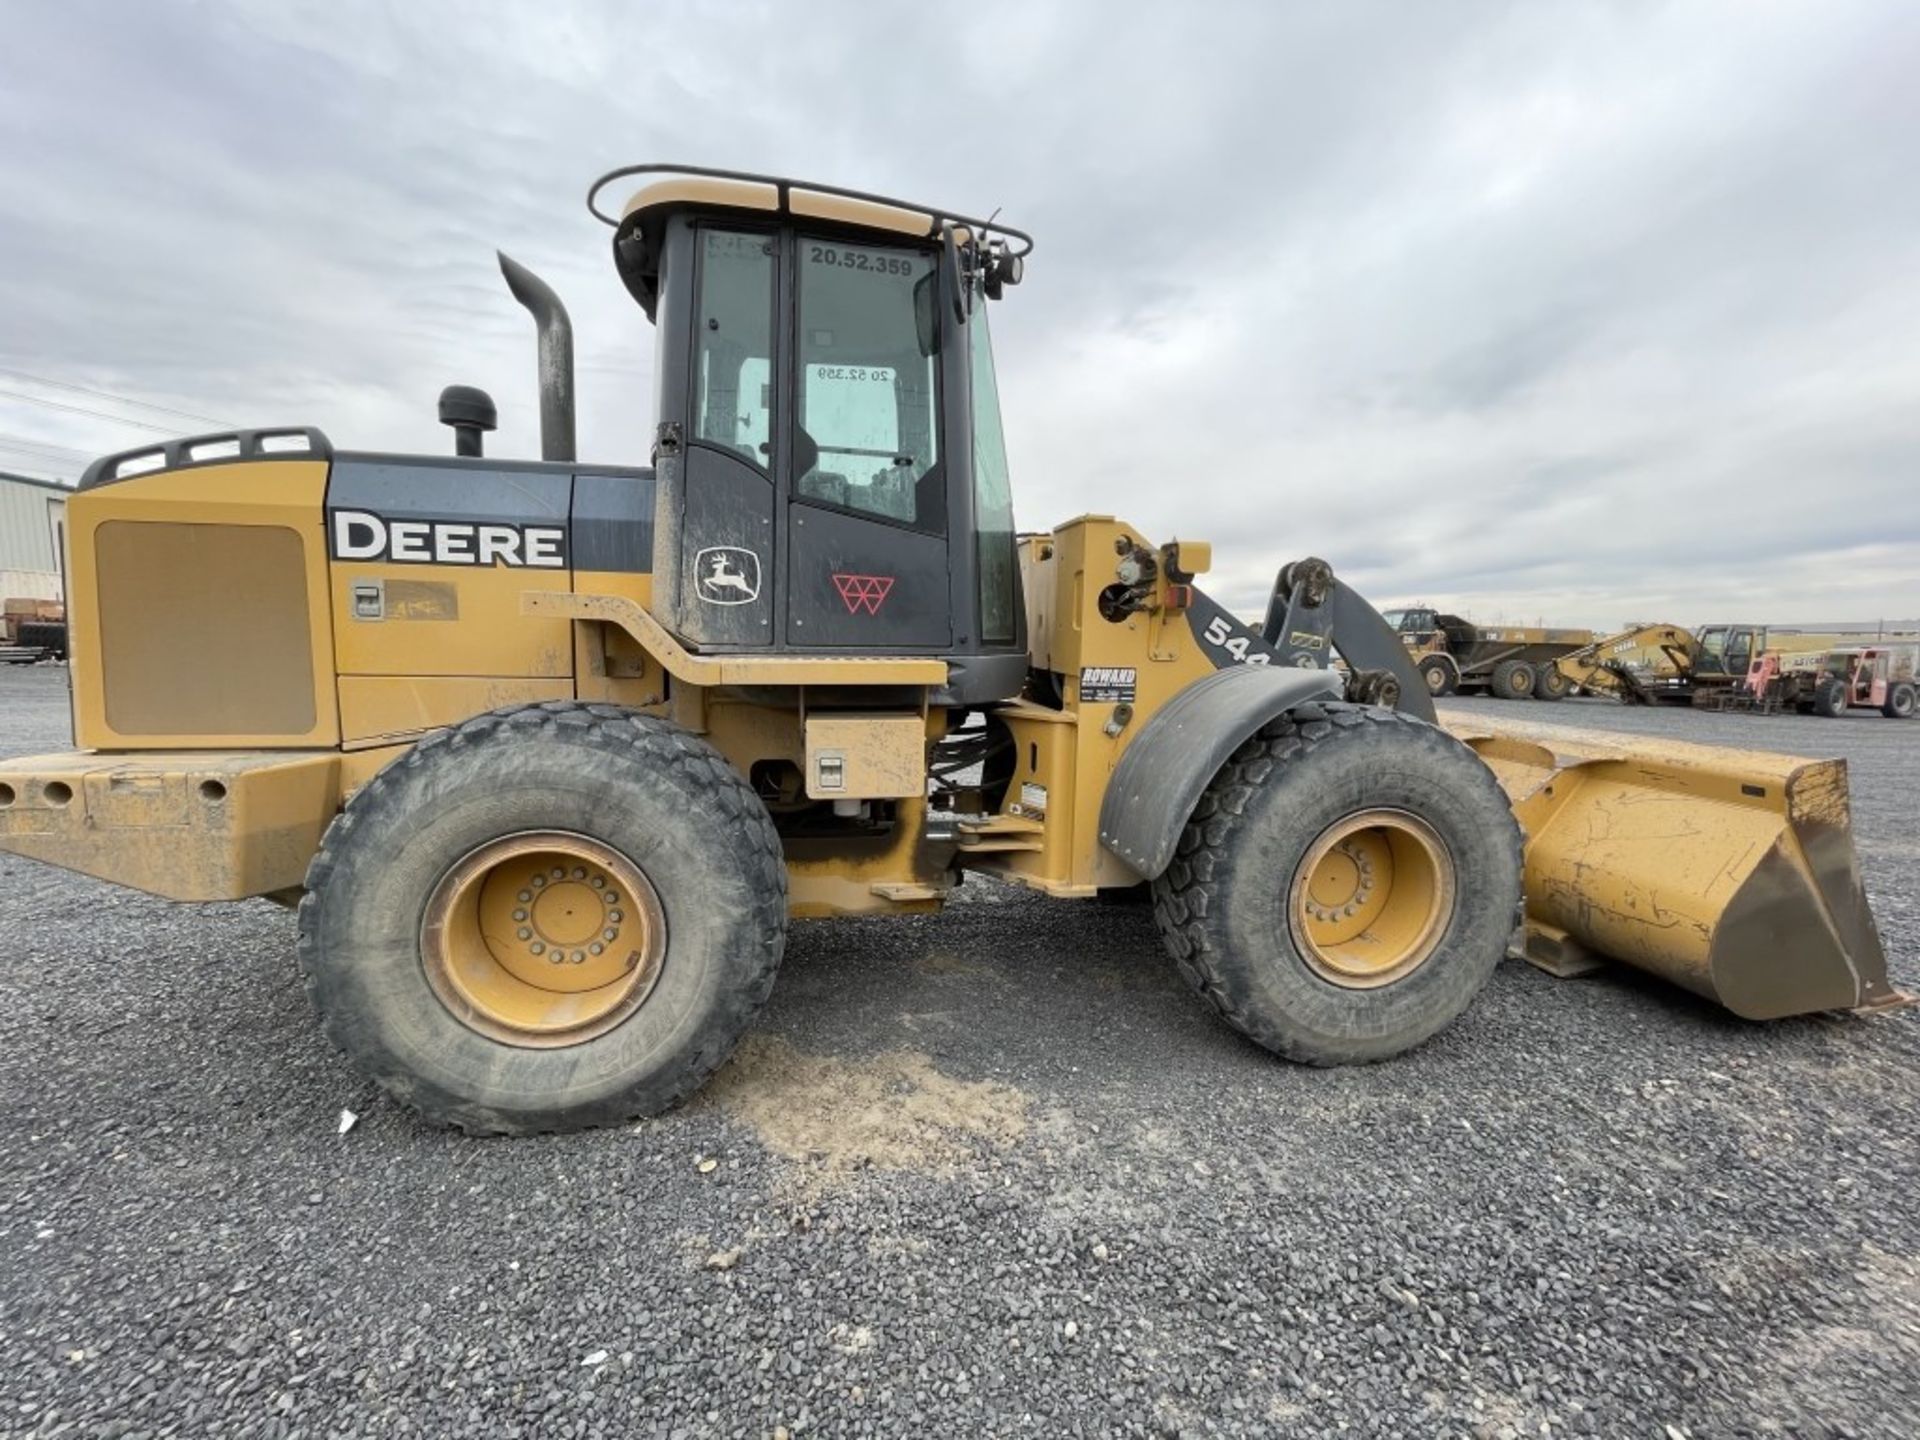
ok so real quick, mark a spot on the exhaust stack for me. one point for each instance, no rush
(556, 357)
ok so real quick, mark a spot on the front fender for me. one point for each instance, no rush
(1161, 776)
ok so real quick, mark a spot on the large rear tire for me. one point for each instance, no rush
(547, 918)
(1551, 683)
(1901, 701)
(1345, 886)
(1830, 697)
(1512, 680)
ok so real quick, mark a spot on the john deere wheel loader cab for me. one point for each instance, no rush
(548, 753)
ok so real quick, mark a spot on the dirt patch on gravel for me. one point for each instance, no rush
(1891, 1283)
(892, 1111)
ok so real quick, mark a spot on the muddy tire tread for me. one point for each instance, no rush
(649, 740)
(1184, 894)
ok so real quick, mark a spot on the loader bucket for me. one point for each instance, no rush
(1731, 872)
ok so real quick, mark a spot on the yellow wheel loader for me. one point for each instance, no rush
(548, 754)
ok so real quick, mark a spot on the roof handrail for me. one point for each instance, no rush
(782, 186)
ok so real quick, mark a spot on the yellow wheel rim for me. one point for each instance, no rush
(1371, 898)
(544, 939)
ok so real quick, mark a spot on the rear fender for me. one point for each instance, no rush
(1161, 776)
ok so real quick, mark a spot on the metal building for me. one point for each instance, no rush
(32, 534)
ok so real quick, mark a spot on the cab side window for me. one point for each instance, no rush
(733, 356)
(868, 436)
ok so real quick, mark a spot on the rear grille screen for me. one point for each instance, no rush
(204, 629)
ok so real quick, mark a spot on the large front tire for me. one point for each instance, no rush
(547, 918)
(1346, 885)
(1440, 675)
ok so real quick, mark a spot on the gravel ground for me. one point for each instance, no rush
(990, 1172)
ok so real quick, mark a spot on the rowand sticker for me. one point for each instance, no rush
(1108, 684)
(363, 535)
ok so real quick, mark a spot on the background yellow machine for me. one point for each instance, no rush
(547, 753)
(1669, 665)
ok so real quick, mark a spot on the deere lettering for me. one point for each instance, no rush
(362, 535)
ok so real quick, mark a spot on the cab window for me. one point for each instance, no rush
(867, 418)
(1739, 651)
(733, 359)
(996, 551)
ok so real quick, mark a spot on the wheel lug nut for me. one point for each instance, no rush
(539, 882)
(579, 872)
(612, 897)
(538, 948)
(597, 948)
(520, 914)
(598, 882)
(579, 957)
(525, 933)
(559, 872)
(615, 916)
(608, 933)
(524, 896)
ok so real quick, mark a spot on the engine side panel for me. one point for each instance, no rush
(198, 609)
(430, 561)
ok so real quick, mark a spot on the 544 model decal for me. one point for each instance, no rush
(1224, 639)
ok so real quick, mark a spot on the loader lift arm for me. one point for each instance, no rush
(1309, 609)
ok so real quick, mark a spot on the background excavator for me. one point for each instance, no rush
(547, 754)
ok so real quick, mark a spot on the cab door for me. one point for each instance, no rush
(866, 532)
(1739, 652)
(722, 591)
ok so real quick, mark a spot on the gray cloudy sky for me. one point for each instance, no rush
(1579, 311)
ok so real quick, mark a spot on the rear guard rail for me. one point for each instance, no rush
(1729, 872)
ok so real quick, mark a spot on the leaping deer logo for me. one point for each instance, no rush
(727, 575)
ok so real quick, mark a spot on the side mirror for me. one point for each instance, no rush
(926, 313)
(950, 268)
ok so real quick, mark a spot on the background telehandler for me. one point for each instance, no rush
(547, 753)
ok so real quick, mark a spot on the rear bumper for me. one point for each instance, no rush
(189, 825)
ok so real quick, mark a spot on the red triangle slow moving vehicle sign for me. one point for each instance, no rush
(863, 592)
